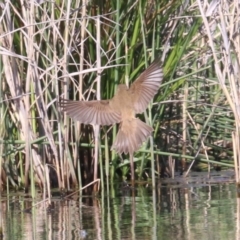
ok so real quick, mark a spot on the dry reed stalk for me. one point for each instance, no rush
(227, 61)
(20, 110)
(236, 156)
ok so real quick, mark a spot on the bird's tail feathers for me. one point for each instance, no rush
(131, 135)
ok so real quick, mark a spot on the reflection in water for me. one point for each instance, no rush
(171, 211)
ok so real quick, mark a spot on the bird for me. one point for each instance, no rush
(121, 109)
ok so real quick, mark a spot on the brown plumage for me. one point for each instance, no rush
(122, 109)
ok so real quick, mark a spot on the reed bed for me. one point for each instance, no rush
(81, 50)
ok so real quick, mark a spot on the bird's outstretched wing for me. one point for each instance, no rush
(146, 86)
(91, 112)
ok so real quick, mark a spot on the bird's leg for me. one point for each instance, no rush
(96, 129)
(120, 155)
(132, 168)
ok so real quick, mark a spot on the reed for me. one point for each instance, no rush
(223, 41)
(82, 51)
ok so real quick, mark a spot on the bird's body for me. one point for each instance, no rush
(122, 109)
(122, 102)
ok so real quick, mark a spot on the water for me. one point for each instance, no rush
(180, 209)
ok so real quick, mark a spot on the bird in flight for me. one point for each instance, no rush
(122, 109)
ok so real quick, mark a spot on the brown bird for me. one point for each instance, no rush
(122, 109)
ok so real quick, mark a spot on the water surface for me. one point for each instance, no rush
(185, 208)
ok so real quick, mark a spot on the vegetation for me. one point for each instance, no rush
(81, 50)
